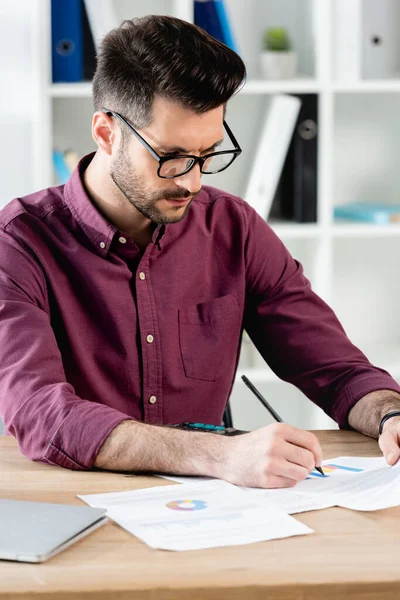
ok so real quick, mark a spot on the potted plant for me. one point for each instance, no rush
(278, 60)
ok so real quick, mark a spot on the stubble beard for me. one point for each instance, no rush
(131, 185)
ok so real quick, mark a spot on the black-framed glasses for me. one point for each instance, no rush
(177, 165)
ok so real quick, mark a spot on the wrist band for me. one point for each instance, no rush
(394, 413)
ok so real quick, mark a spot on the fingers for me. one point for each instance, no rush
(302, 439)
(300, 456)
(277, 481)
(389, 442)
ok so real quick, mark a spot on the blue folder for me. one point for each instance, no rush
(67, 40)
(206, 17)
(225, 25)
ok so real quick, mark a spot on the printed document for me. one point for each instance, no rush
(357, 483)
(198, 515)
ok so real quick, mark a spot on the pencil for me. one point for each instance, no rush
(269, 408)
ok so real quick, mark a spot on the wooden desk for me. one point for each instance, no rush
(350, 555)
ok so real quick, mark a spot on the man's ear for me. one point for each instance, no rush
(104, 131)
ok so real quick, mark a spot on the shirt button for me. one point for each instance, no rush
(142, 276)
(153, 399)
(150, 339)
(122, 240)
(102, 245)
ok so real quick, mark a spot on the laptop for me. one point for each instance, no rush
(36, 531)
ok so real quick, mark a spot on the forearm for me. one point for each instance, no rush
(367, 413)
(134, 446)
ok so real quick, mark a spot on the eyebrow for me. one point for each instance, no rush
(180, 150)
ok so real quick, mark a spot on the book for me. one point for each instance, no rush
(67, 40)
(347, 40)
(71, 159)
(368, 212)
(296, 196)
(102, 18)
(61, 168)
(273, 145)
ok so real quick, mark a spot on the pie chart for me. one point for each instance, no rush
(187, 505)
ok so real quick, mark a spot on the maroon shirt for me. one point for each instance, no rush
(93, 332)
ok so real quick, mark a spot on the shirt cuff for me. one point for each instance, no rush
(77, 441)
(356, 390)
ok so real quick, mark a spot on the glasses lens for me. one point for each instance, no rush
(218, 162)
(175, 166)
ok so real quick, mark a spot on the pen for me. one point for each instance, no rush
(269, 408)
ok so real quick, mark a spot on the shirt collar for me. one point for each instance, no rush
(98, 230)
(96, 227)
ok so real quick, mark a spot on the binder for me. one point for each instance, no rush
(226, 28)
(206, 17)
(296, 196)
(212, 16)
(272, 149)
(89, 49)
(347, 19)
(67, 40)
(379, 49)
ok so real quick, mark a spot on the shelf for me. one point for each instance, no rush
(298, 85)
(360, 230)
(372, 85)
(295, 230)
(253, 86)
(71, 90)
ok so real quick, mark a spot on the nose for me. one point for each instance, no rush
(190, 180)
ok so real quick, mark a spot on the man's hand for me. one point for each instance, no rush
(275, 456)
(366, 415)
(389, 441)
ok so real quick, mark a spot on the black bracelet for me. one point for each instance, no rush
(394, 413)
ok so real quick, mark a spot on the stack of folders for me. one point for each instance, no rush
(64, 163)
(368, 212)
(283, 179)
(77, 27)
(212, 16)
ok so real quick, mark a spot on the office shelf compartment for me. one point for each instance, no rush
(365, 151)
(366, 300)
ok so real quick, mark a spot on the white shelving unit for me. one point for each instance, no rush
(353, 267)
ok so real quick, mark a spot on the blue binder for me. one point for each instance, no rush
(67, 40)
(227, 32)
(206, 17)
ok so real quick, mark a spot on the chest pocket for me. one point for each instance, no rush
(208, 335)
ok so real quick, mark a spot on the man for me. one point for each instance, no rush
(123, 294)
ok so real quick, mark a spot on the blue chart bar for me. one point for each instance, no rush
(331, 468)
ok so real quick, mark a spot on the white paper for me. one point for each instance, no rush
(361, 484)
(371, 490)
(195, 516)
(317, 492)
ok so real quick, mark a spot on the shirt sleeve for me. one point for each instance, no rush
(38, 406)
(297, 333)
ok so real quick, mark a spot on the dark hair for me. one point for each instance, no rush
(168, 57)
